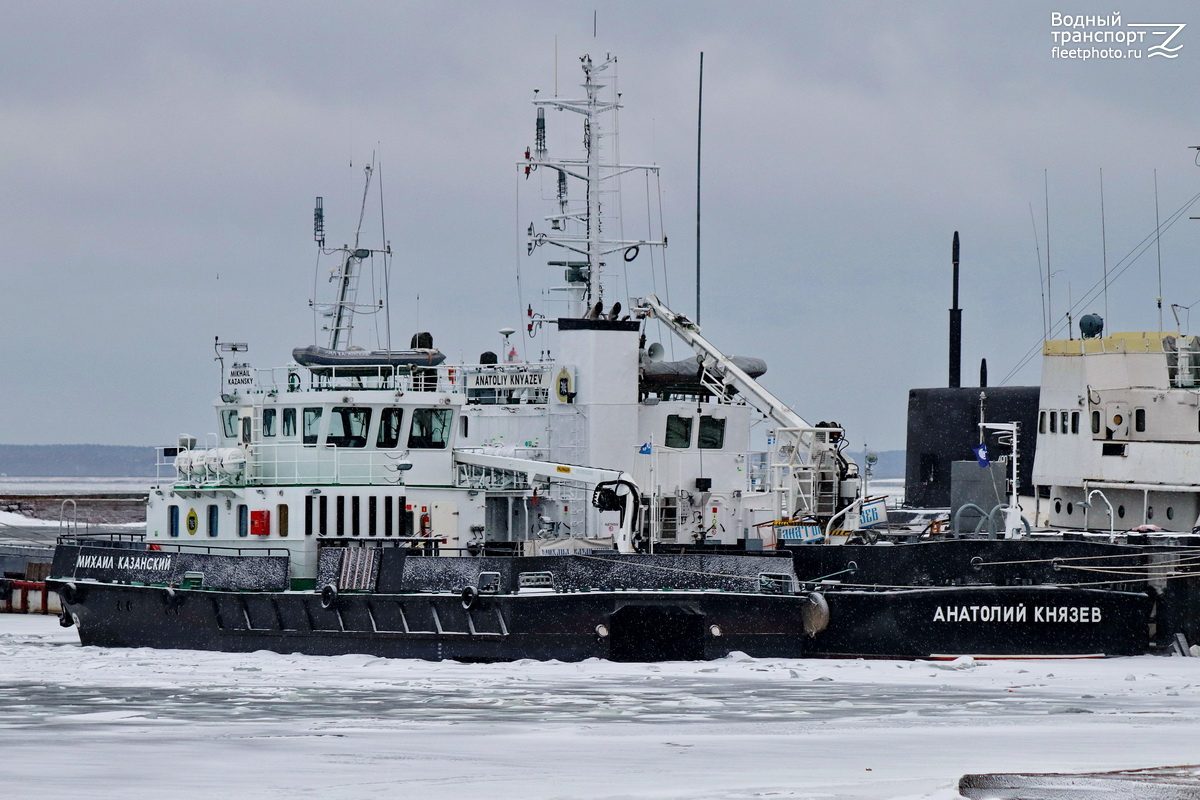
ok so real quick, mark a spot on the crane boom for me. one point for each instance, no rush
(806, 468)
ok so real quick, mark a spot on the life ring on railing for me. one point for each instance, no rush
(329, 596)
(293, 382)
(469, 596)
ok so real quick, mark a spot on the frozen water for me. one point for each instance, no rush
(91, 722)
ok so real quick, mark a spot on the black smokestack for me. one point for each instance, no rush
(955, 325)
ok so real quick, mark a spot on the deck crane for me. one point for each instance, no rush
(612, 490)
(807, 472)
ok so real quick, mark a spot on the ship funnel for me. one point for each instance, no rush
(955, 324)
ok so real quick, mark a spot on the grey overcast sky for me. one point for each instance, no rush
(158, 163)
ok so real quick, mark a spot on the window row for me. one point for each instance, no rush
(355, 515)
(1059, 422)
(259, 523)
(350, 426)
(1101, 511)
(710, 434)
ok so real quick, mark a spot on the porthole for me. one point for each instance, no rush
(1058, 506)
(1070, 509)
(1150, 512)
(1121, 512)
(1170, 512)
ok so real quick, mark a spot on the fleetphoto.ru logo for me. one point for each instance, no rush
(1085, 36)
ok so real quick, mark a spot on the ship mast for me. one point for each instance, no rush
(343, 309)
(580, 229)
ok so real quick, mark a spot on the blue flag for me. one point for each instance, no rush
(981, 455)
(644, 449)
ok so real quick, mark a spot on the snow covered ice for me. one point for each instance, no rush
(93, 722)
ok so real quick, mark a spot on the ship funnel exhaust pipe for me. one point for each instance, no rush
(955, 325)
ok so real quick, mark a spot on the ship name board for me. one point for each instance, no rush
(532, 379)
(240, 375)
(148, 563)
(1017, 614)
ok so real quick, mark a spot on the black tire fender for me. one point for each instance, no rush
(470, 595)
(68, 593)
(329, 596)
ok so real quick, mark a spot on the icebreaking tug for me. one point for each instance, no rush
(386, 502)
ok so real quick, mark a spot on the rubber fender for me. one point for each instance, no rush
(469, 596)
(172, 598)
(329, 596)
(815, 614)
(68, 593)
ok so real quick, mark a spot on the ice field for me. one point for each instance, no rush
(90, 722)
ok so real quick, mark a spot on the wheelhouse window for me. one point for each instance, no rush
(229, 423)
(1074, 422)
(1054, 422)
(711, 435)
(172, 520)
(1041, 422)
(269, 415)
(212, 521)
(679, 431)
(390, 421)
(1095, 422)
(312, 425)
(1139, 420)
(243, 520)
(1064, 418)
(430, 428)
(289, 422)
(282, 515)
(348, 426)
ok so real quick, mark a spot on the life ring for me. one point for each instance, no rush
(632, 253)
(293, 382)
(68, 593)
(329, 596)
(469, 595)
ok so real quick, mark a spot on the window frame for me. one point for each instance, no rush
(681, 432)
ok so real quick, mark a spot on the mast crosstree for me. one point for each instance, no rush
(581, 228)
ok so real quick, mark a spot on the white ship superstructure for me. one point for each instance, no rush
(1119, 420)
(384, 444)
